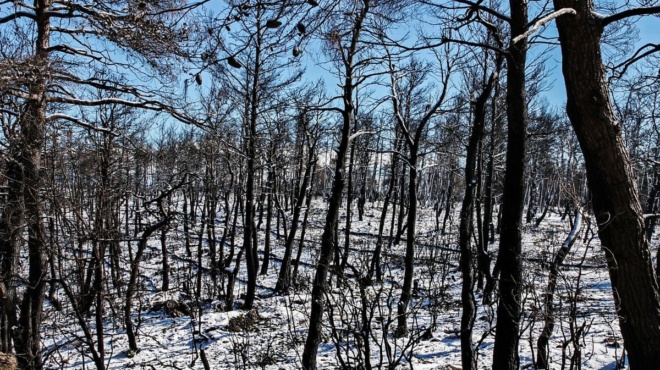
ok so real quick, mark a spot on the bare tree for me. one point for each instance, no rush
(164, 215)
(309, 138)
(259, 52)
(414, 132)
(344, 40)
(467, 208)
(44, 73)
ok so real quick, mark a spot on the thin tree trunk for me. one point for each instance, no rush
(468, 356)
(448, 204)
(374, 267)
(284, 278)
(328, 246)
(652, 206)
(548, 200)
(484, 260)
(231, 282)
(543, 352)
(97, 357)
(303, 230)
(349, 203)
(269, 222)
(400, 226)
(186, 224)
(132, 282)
(200, 243)
(166, 259)
(509, 309)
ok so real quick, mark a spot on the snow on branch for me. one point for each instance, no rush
(81, 123)
(541, 22)
(360, 133)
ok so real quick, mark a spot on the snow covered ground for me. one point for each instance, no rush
(272, 336)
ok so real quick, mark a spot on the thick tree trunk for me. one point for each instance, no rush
(26, 330)
(611, 181)
(10, 243)
(27, 338)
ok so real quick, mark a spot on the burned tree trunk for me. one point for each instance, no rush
(468, 357)
(615, 199)
(509, 309)
(328, 237)
(284, 277)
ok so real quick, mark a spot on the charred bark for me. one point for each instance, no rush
(509, 309)
(468, 357)
(615, 199)
(328, 236)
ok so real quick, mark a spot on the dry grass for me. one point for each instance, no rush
(7, 362)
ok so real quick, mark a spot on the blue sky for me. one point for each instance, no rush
(649, 31)
(648, 28)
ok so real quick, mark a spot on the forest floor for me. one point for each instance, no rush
(273, 334)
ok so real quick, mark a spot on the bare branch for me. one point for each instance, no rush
(477, 44)
(651, 48)
(395, 99)
(80, 122)
(17, 15)
(485, 9)
(153, 105)
(632, 12)
(71, 51)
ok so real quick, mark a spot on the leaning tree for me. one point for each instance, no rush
(615, 199)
